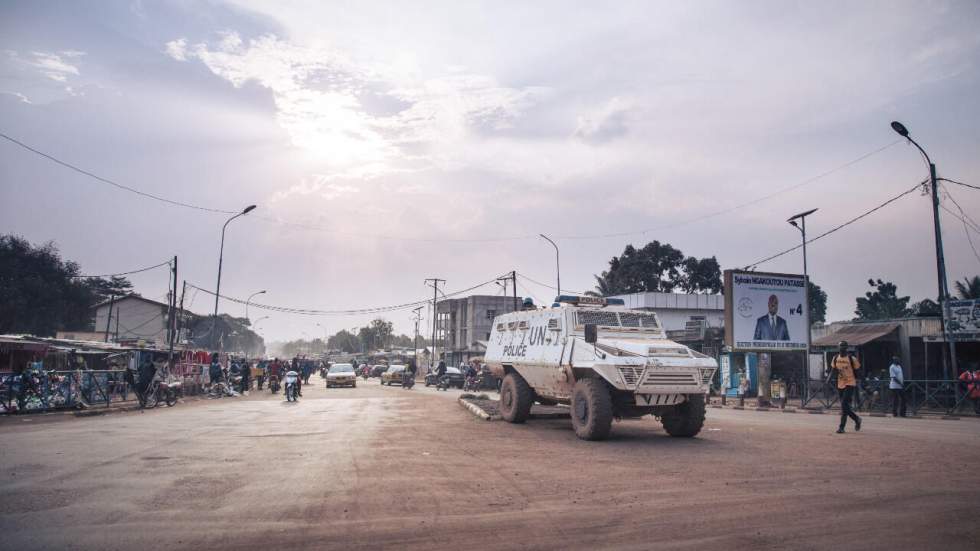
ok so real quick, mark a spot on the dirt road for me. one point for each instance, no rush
(380, 467)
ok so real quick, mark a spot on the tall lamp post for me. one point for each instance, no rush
(801, 225)
(221, 255)
(557, 260)
(249, 299)
(900, 129)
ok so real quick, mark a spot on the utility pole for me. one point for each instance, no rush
(112, 300)
(180, 311)
(435, 315)
(418, 317)
(513, 276)
(900, 129)
(172, 325)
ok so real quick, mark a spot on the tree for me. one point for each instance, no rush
(343, 340)
(926, 308)
(658, 267)
(104, 289)
(382, 330)
(817, 302)
(882, 303)
(969, 288)
(41, 294)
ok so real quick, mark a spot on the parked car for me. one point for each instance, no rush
(456, 378)
(341, 375)
(393, 375)
(377, 370)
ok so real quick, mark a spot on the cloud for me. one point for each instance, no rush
(54, 67)
(177, 49)
(608, 122)
(356, 117)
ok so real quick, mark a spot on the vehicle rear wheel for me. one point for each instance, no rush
(685, 420)
(516, 398)
(171, 398)
(592, 411)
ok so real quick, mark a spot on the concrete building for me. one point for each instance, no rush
(464, 325)
(133, 318)
(695, 320)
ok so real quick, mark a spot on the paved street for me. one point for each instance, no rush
(376, 467)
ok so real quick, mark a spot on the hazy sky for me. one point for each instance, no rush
(390, 142)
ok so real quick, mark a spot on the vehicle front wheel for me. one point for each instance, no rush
(686, 419)
(516, 398)
(592, 411)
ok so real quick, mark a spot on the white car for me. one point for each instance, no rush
(341, 375)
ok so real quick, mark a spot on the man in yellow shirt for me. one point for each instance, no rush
(846, 364)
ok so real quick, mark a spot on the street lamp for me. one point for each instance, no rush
(249, 299)
(221, 254)
(900, 129)
(557, 260)
(801, 225)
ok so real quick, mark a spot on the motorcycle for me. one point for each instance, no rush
(472, 383)
(408, 380)
(273, 384)
(292, 387)
(162, 392)
(443, 383)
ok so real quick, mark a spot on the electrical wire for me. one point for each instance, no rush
(282, 222)
(110, 182)
(552, 287)
(836, 228)
(966, 228)
(360, 311)
(739, 206)
(958, 183)
(148, 268)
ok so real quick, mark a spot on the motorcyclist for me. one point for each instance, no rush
(408, 376)
(214, 371)
(441, 371)
(292, 378)
(297, 369)
(145, 376)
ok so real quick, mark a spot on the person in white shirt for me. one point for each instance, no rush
(896, 385)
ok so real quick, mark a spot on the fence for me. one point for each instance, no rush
(51, 390)
(947, 396)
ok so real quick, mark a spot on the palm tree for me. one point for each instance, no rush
(969, 288)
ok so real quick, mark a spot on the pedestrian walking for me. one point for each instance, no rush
(246, 371)
(846, 366)
(972, 381)
(896, 386)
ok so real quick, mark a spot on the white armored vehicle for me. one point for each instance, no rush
(605, 360)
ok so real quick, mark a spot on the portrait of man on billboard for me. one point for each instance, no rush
(771, 327)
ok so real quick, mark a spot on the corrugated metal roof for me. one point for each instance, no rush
(856, 334)
(673, 301)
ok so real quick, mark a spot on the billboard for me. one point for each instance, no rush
(963, 320)
(765, 311)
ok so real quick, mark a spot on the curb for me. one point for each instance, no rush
(475, 409)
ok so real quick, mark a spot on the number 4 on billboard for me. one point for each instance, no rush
(798, 309)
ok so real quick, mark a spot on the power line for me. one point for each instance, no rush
(360, 311)
(552, 287)
(148, 268)
(110, 182)
(966, 229)
(282, 222)
(836, 228)
(958, 183)
(741, 205)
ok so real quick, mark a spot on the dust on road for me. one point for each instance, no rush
(376, 467)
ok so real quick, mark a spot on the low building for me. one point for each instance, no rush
(695, 320)
(918, 341)
(464, 325)
(133, 318)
